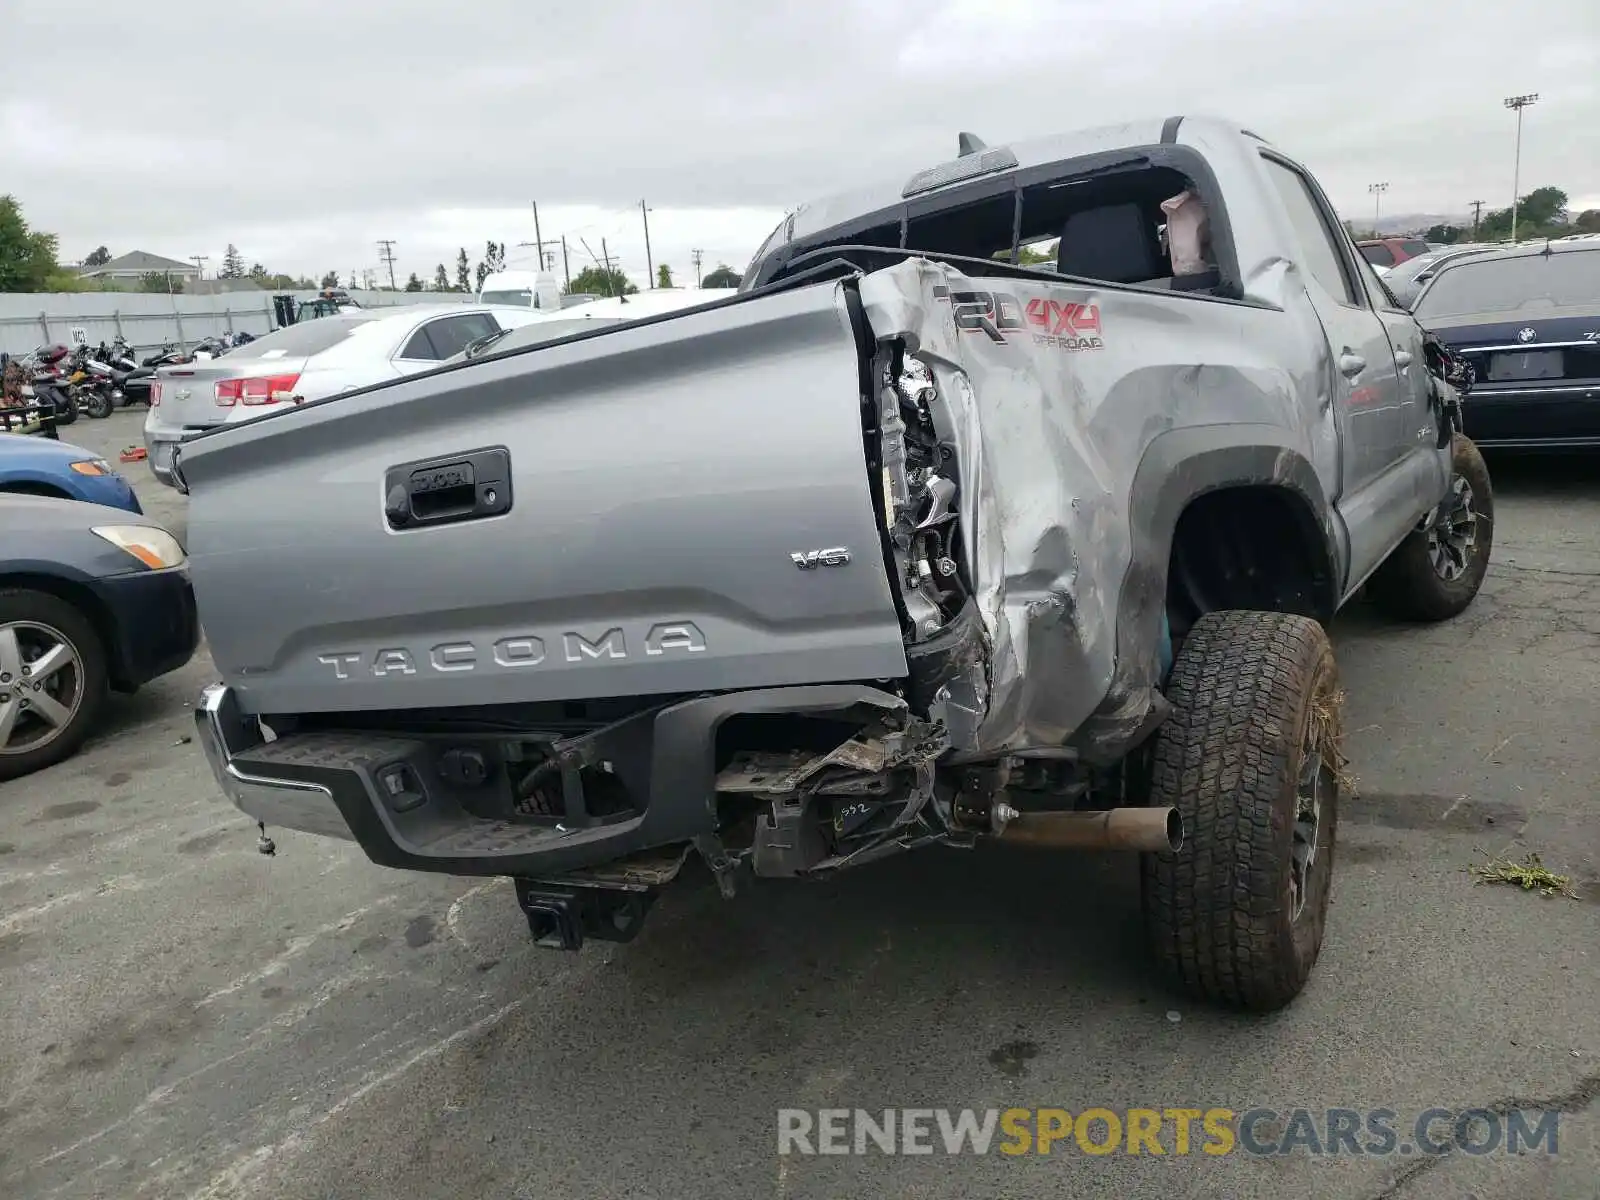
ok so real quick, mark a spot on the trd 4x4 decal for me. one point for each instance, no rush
(1063, 324)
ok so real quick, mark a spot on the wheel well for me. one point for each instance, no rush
(1257, 547)
(34, 489)
(86, 602)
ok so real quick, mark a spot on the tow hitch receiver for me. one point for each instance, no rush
(560, 918)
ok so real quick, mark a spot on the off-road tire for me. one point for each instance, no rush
(1254, 699)
(26, 605)
(1408, 585)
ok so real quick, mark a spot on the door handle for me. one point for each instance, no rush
(444, 491)
(1351, 364)
(1402, 358)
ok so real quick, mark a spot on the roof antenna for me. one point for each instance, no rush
(971, 143)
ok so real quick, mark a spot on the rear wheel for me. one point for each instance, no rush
(98, 405)
(64, 405)
(1436, 572)
(1250, 756)
(52, 680)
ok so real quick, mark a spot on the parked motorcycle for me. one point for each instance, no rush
(130, 383)
(89, 382)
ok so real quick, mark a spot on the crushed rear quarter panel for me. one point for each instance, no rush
(1054, 393)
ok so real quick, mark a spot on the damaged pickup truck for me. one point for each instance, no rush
(922, 538)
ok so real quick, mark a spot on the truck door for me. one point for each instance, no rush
(1375, 485)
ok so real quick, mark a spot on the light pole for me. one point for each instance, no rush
(1377, 190)
(1519, 103)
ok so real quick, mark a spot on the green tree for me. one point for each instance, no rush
(413, 284)
(330, 280)
(1588, 221)
(599, 281)
(1540, 213)
(463, 271)
(1446, 234)
(232, 263)
(723, 277)
(160, 281)
(441, 279)
(1543, 207)
(98, 257)
(663, 276)
(27, 258)
(480, 273)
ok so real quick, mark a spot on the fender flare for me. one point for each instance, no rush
(1176, 468)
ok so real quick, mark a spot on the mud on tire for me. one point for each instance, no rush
(1436, 572)
(1250, 755)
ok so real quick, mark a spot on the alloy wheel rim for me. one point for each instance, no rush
(41, 685)
(1453, 533)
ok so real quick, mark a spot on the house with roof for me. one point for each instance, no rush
(137, 263)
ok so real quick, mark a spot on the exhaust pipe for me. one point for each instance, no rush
(1144, 829)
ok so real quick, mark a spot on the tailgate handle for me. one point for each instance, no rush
(467, 486)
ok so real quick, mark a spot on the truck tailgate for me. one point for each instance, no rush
(662, 477)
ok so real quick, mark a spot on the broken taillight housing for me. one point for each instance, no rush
(264, 389)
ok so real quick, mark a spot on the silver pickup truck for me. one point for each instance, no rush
(1005, 502)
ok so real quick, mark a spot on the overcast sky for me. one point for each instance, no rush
(303, 131)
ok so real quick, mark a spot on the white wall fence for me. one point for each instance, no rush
(151, 320)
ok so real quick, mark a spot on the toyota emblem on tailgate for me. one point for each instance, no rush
(1526, 334)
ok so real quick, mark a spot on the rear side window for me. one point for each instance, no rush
(448, 336)
(1319, 250)
(1414, 248)
(302, 340)
(521, 296)
(1377, 254)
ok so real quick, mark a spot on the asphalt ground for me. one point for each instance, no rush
(180, 1016)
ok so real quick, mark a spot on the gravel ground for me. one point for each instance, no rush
(184, 1017)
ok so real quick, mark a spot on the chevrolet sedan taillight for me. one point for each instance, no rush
(268, 389)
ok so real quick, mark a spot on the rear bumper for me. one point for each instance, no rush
(386, 793)
(1561, 415)
(158, 453)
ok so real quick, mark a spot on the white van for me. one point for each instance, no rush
(534, 289)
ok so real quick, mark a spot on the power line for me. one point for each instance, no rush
(386, 257)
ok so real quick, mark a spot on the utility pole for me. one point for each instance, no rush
(1519, 103)
(697, 257)
(566, 267)
(197, 260)
(606, 254)
(1477, 210)
(649, 263)
(386, 256)
(537, 236)
(1377, 190)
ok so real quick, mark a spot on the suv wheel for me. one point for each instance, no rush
(1250, 755)
(1436, 572)
(52, 680)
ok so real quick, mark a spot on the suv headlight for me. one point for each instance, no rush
(155, 548)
